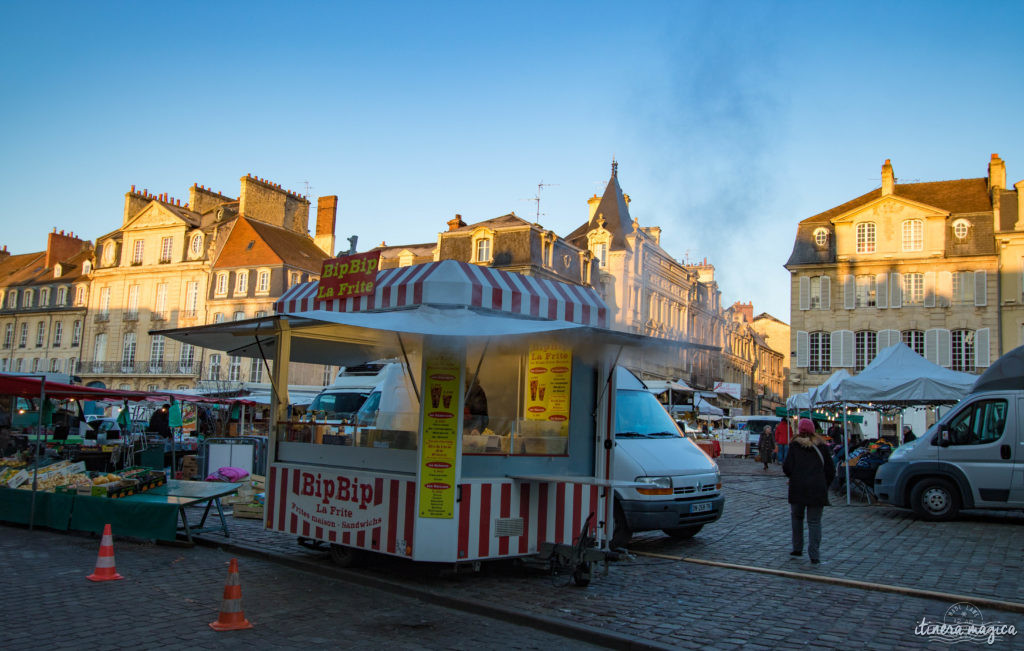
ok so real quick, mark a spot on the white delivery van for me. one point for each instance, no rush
(683, 489)
(352, 386)
(972, 458)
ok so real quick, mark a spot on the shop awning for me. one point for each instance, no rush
(31, 387)
(453, 283)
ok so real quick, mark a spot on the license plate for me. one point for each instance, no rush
(700, 508)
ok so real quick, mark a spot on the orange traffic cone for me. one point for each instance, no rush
(231, 617)
(105, 570)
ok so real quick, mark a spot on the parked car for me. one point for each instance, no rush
(352, 386)
(752, 426)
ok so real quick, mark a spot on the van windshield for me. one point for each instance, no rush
(638, 414)
(338, 405)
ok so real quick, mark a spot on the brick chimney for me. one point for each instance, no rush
(326, 216)
(4, 253)
(61, 247)
(996, 173)
(745, 310)
(455, 224)
(592, 203)
(888, 179)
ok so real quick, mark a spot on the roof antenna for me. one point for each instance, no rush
(536, 198)
(308, 187)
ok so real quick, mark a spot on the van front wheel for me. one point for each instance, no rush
(683, 533)
(935, 499)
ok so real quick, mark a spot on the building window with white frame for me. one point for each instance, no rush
(128, 352)
(41, 334)
(961, 228)
(72, 366)
(865, 347)
(239, 316)
(866, 288)
(76, 333)
(80, 296)
(914, 339)
(54, 365)
(9, 335)
(58, 333)
(191, 298)
(156, 352)
(5, 365)
(293, 278)
(29, 299)
(137, 251)
(35, 365)
(133, 303)
(166, 249)
(821, 237)
(105, 301)
(913, 289)
(221, 288)
(235, 368)
(214, 371)
(913, 235)
(44, 297)
(820, 349)
(62, 296)
(601, 253)
(263, 281)
(23, 337)
(17, 365)
(483, 250)
(12, 299)
(187, 358)
(962, 350)
(160, 304)
(241, 282)
(195, 247)
(963, 287)
(256, 371)
(866, 237)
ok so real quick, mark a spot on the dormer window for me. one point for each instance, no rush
(483, 250)
(821, 237)
(87, 267)
(866, 237)
(195, 245)
(62, 296)
(961, 228)
(600, 252)
(221, 288)
(241, 282)
(29, 299)
(12, 299)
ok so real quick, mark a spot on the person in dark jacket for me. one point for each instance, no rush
(908, 434)
(159, 422)
(766, 445)
(810, 471)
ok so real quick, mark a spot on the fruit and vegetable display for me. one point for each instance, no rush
(67, 477)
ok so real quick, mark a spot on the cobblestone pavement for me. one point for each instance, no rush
(169, 596)
(685, 605)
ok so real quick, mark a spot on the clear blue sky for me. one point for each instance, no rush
(730, 121)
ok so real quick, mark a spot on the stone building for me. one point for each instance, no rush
(649, 292)
(912, 262)
(748, 360)
(43, 299)
(162, 268)
(775, 333)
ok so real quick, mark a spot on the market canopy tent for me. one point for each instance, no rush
(899, 376)
(824, 392)
(1006, 373)
(32, 387)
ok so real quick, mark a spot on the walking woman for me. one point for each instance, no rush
(810, 470)
(766, 445)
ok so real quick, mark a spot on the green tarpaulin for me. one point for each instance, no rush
(126, 517)
(52, 509)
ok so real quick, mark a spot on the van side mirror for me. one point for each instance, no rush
(944, 438)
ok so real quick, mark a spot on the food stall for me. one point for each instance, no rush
(493, 441)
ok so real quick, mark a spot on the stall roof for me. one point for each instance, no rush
(32, 387)
(661, 386)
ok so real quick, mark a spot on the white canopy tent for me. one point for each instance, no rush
(898, 375)
(825, 391)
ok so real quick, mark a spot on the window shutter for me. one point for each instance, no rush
(835, 358)
(882, 340)
(895, 290)
(982, 354)
(945, 348)
(929, 293)
(931, 345)
(826, 292)
(882, 290)
(980, 288)
(849, 292)
(803, 349)
(805, 293)
(887, 338)
(944, 290)
(848, 348)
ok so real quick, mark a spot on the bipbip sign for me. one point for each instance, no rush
(348, 276)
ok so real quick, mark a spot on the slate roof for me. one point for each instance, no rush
(17, 269)
(269, 245)
(960, 198)
(615, 212)
(511, 219)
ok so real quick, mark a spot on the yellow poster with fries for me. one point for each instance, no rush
(440, 437)
(548, 383)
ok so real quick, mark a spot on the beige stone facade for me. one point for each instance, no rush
(917, 263)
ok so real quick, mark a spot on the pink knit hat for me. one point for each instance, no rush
(806, 426)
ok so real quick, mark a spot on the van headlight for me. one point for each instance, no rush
(654, 485)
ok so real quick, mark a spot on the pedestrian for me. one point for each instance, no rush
(159, 422)
(782, 439)
(908, 434)
(765, 445)
(810, 471)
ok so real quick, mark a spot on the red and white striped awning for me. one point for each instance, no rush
(450, 283)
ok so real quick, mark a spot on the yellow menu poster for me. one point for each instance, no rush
(440, 437)
(548, 380)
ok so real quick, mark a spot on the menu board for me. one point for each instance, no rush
(440, 437)
(548, 382)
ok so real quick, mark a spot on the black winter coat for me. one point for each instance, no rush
(809, 475)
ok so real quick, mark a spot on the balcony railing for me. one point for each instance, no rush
(139, 368)
(131, 316)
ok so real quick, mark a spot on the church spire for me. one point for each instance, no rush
(615, 168)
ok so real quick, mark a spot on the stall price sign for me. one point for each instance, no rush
(548, 380)
(348, 276)
(440, 437)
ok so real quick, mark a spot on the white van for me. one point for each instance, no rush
(972, 458)
(352, 386)
(684, 490)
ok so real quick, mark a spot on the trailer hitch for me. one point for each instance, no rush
(573, 563)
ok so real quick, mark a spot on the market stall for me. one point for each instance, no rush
(492, 441)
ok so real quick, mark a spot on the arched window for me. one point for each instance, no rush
(483, 249)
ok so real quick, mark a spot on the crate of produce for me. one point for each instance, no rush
(249, 511)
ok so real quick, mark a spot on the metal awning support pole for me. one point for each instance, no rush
(35, 466)
(279, 380)
(846, 455)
